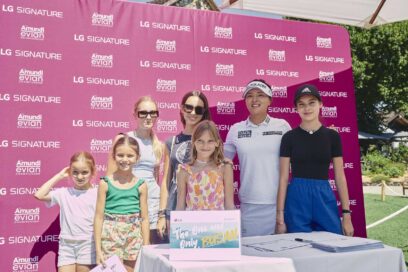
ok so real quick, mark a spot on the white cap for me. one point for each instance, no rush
(256, 84)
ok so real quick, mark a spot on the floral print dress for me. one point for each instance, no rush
(205, 189)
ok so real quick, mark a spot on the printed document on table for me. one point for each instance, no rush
(275, 245)
(346, 244)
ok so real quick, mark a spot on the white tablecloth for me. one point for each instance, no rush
(155, 258)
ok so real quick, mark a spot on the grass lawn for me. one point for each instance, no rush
(393, 232)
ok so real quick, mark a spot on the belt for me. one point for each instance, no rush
(127, 218)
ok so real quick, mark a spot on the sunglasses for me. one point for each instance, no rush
(190, 108)
(144, 114)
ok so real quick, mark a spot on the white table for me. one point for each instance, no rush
(155, 258)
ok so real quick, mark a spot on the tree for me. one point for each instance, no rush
(380, 68)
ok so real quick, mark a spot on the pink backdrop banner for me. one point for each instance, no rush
(72, 70)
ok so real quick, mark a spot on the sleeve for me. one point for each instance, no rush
(55, 197)
(336, 148)
(286, 146)
(229, 146)
(287, 127)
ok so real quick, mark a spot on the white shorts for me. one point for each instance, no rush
(76, 252)
(257, 219)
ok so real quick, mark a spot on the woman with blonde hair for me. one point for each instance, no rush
(152, 153)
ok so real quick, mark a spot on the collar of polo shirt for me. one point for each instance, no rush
(264, 122)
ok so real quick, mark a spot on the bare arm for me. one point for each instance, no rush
(98, 220)
(284, 163)
(43, 192)
(182, 179)
(228, 187)
(164, 194)
(341, 184)
(144, 214)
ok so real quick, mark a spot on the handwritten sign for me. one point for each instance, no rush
(205, 235)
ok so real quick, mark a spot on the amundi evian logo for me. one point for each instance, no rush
(31, 76)
(29, 121)
(28, 168)
(165, 46)
(329, 112)
(164, 85)
(32, 33)
(277, 55)
(22, 215)
(225, 108)
(25, 264)
(99, 19)
(224, 69)
(223, 32)
(323, 42)
(101, 61)
(326, 76)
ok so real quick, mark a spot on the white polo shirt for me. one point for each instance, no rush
(258, 152)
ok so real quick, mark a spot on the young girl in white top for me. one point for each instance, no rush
(77, 209)
(206, 183)
(121, 219)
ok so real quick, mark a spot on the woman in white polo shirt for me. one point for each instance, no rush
(256, 140)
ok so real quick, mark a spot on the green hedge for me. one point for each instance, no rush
(375, 163)
(400, 154)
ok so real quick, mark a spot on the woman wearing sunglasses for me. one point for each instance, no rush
(194, 108)
(152, 152)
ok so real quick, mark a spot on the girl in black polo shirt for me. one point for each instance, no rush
(308, 202)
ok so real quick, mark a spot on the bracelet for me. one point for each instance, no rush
(162, 212)
(346, 211)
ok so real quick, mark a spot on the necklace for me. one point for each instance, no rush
(201, 162)
(310, 131)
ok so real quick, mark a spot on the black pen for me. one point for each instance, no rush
(303, 240)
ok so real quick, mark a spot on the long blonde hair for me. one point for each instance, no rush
(207, 125)
(156, 143)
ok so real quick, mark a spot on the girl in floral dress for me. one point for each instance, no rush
(206, 182)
